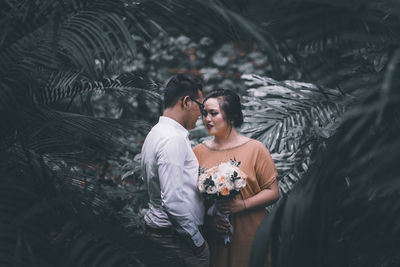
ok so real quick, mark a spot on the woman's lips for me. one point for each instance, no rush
(209, 126)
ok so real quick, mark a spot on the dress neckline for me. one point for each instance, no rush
(226, 149)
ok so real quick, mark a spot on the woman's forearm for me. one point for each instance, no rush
(264, 197)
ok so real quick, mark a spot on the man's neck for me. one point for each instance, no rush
(173, 114)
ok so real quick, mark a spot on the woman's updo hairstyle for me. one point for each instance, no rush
(229, 102)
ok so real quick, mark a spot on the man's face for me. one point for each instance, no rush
(193, 111)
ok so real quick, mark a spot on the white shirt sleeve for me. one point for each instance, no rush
(171, 161)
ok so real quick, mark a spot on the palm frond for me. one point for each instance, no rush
(88, 35)
(341, 200)
(349, 190)
(77, 37)
(337, 45)
(41, 201)
(292, 119)
(61, 85)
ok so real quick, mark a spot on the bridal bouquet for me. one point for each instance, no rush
(221, 182)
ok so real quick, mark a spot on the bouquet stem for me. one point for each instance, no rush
(213, 211)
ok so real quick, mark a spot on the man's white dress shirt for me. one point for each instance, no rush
(170, 170)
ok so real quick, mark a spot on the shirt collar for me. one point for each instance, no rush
(175, 124)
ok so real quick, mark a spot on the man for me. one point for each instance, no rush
(170, 170)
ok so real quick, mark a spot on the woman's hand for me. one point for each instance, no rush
(219, 224)
(230, 206)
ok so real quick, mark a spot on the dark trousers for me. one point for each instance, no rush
(175, 250)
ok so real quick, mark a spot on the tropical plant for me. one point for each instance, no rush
(344, 211)
(349, 189)
(53, 56)
(292, 119)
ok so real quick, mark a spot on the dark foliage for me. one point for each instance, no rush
(344, 211)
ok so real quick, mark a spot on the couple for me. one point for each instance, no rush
(176, 220)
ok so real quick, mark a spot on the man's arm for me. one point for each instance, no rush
(170, 169)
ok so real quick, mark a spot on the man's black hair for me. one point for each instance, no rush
(179, 86)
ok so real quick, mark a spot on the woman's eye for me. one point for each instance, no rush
(205, 113)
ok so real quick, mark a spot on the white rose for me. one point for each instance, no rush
(224, 168)
(239, 183)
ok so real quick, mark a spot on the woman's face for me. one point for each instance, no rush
(214, 118)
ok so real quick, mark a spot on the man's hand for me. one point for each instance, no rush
(189, 242)
(199, 250)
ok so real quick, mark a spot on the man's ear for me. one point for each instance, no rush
(185, 102)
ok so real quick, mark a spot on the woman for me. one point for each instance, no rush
(222, 114)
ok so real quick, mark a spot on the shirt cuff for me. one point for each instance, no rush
(198, 239)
